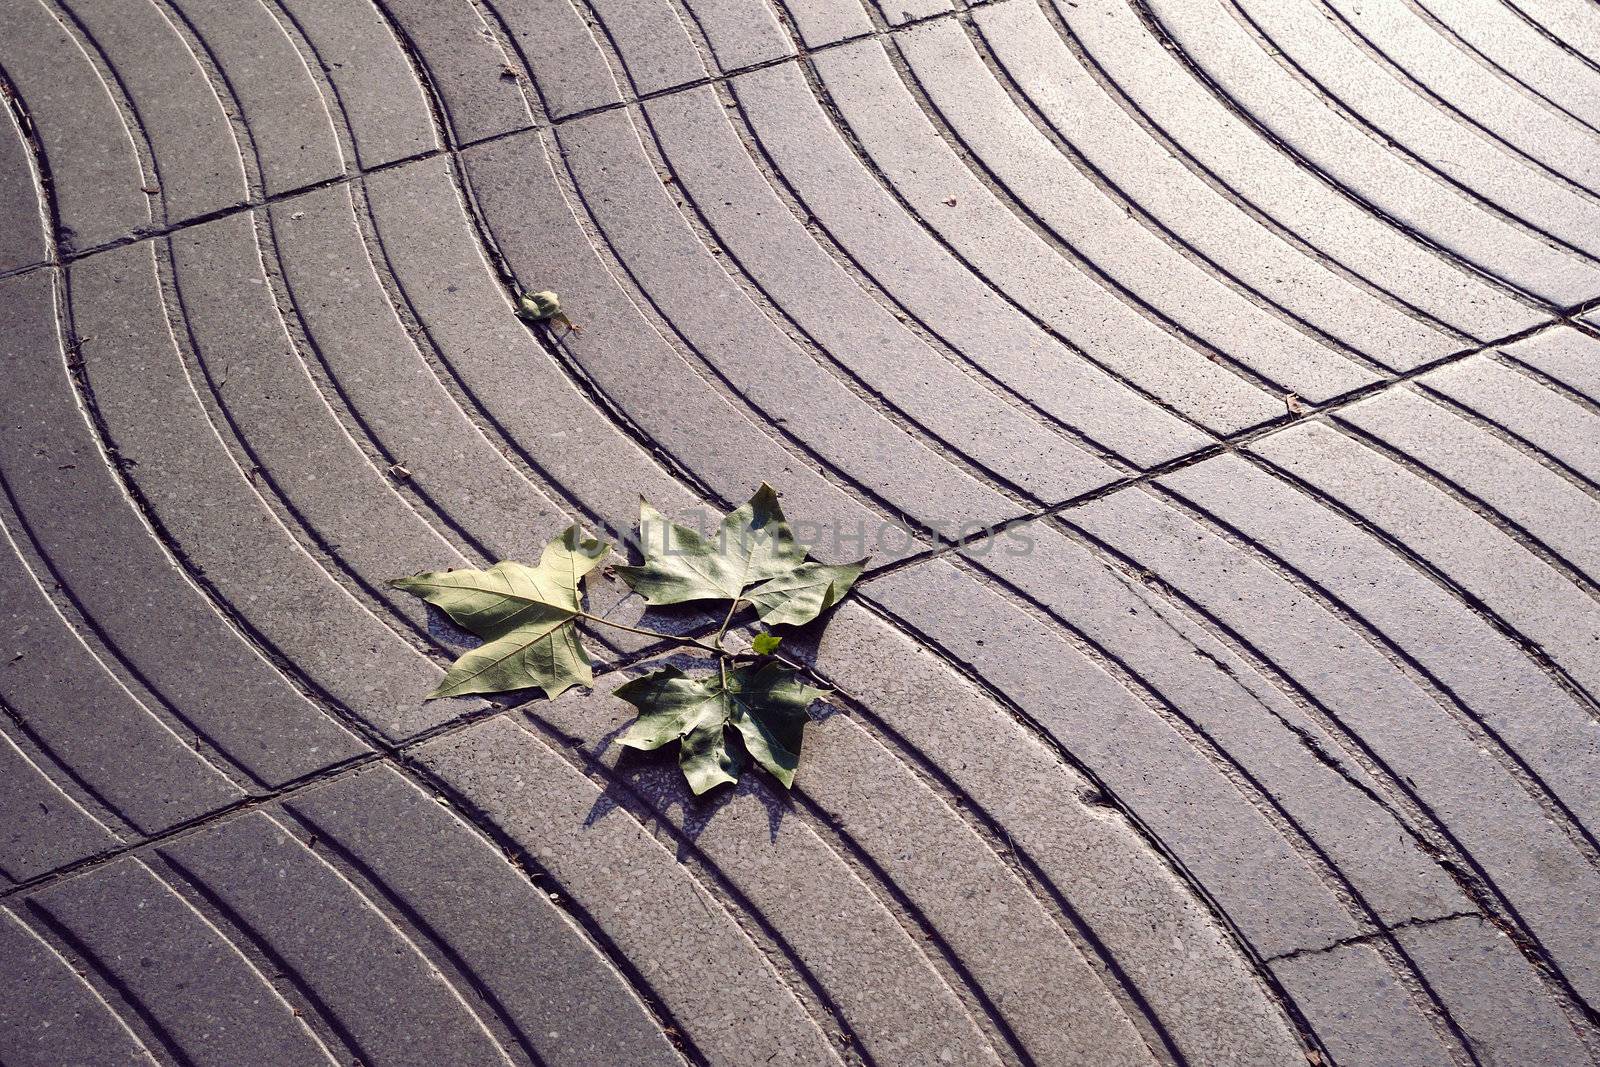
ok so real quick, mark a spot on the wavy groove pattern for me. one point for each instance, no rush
(1267, 730)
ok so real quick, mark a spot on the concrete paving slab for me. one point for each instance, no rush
(22, 233)
(76, 131)
(150, 944)
(1289, 104)
(559, 47)
(291, 133)
(174, 107)
(50, 1014)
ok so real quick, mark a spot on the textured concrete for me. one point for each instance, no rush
(1267, 332)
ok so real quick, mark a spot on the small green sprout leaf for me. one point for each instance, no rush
(765, 644)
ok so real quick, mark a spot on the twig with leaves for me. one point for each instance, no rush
(527, 617)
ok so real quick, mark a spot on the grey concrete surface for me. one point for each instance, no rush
(1261, 728)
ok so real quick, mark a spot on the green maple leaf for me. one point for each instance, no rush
(765, 644)
(766, 706)
(753, 544)
(753, 557)
(525, 615)
(804, 593)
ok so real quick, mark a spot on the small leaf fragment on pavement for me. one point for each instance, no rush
(538, 307)
(526, 616)
(543, 307)
(766, 705)
(765, 644)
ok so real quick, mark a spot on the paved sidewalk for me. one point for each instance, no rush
(1216, 382)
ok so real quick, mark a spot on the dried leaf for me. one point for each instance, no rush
(525, 616)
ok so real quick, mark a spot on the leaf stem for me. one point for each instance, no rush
(722, 654)
(714, 649)
(726, 619)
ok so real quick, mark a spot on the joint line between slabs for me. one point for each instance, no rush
(1224, 446)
